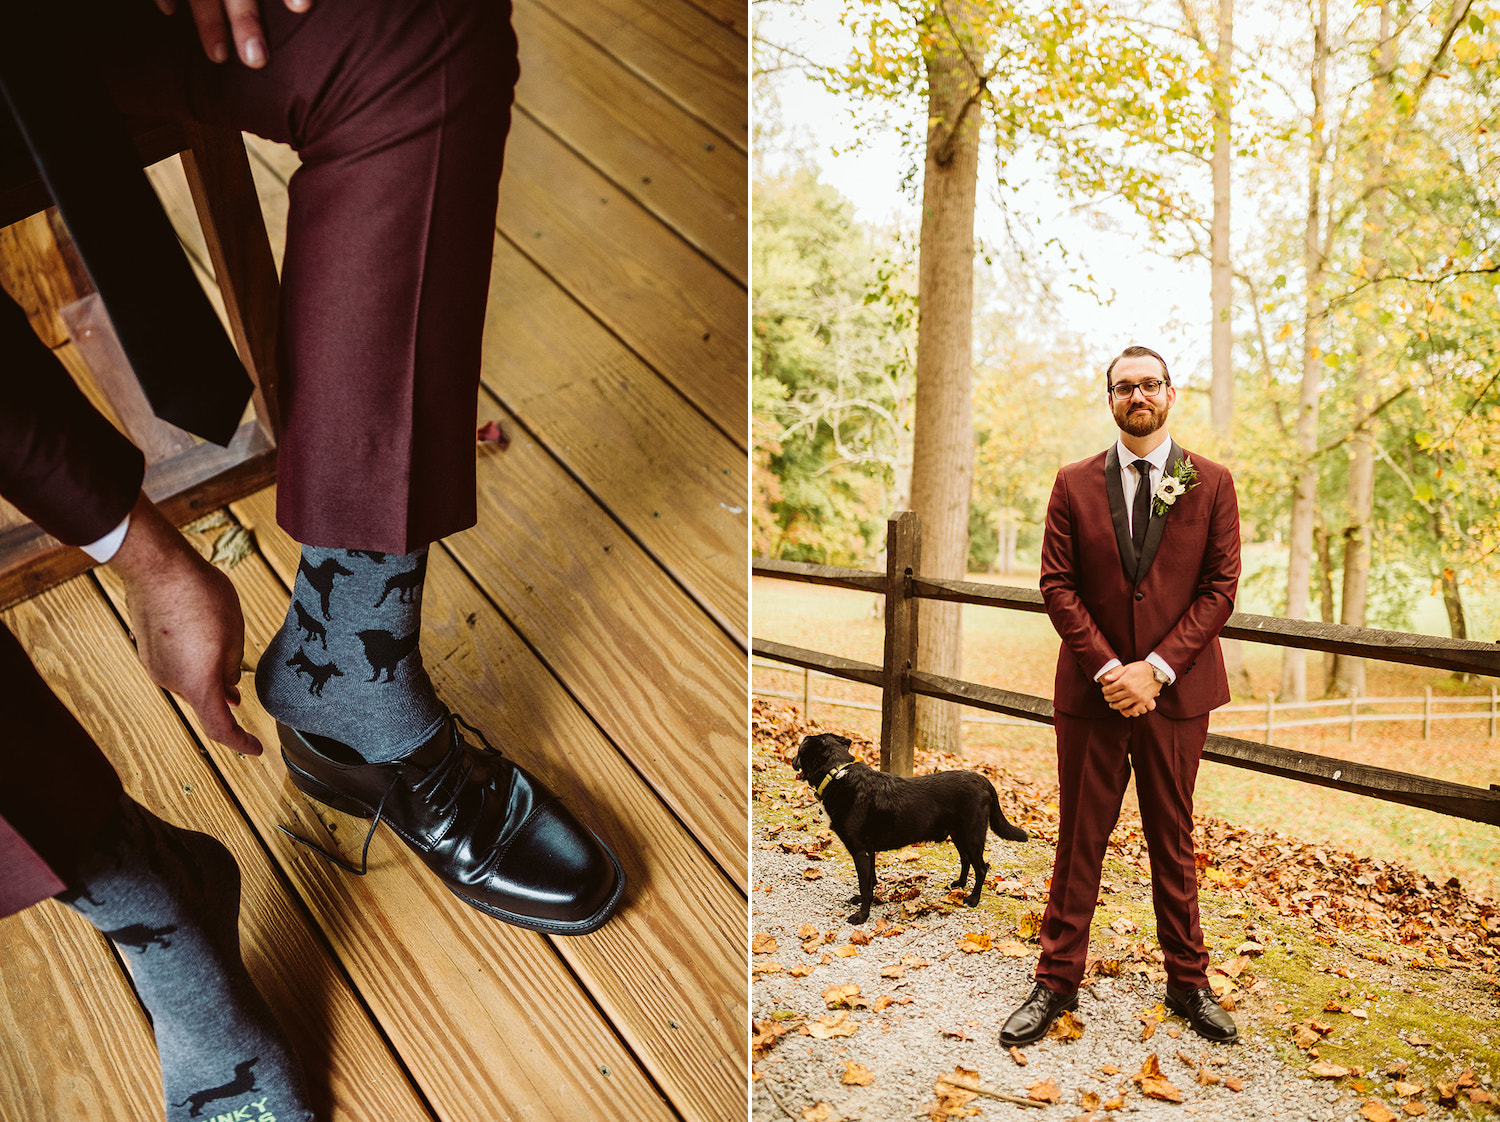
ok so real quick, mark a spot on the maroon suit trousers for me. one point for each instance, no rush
(399, 110)
(1094, 761)
(56, 787)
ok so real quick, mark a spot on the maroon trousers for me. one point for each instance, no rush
(399, 109)
(1094, 760)
(56, 787)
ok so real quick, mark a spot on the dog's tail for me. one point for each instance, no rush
(1001, 825)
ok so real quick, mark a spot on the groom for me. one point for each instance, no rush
(1140, 559)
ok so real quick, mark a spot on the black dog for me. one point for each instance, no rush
(871, 812)
(384, 651)
(243, 1083)
(302, 663)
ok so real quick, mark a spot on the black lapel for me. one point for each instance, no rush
(1158, 524)
(1116, 491)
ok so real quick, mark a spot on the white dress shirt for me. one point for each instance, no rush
(1130, 479)
(107, 546)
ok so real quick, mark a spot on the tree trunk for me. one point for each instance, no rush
(1221, 290)
(1221, 387)
(1453, 602)
(1305, 487)
(943, 437)
(1348, 672)
(1326, 608)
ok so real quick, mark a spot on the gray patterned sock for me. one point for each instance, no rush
(347, 663)
(169, 900)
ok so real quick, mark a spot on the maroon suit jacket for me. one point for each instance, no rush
(1106, 603)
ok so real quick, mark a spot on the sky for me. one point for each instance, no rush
(1157, 301)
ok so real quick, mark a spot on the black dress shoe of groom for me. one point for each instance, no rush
(491, 832)
(1030, 1022)
(1204, 1013)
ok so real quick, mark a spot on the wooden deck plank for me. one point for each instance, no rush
(667, 303)
(678, 49)
(657, 675)
(77, 1044)
(733, 14)
(689, 175)
(79, 646)
(669, 968)
(675, 481)
(448, 984)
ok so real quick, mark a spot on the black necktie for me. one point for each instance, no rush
(1140, 511)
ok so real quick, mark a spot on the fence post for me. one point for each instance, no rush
(1427, 713)
(806, 694)
(898, 705)
(1270, 714)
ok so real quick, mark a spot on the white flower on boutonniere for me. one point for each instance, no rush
(1184, 478)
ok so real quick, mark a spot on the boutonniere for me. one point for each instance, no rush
(1172, 487)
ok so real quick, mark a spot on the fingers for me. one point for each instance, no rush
(213, 30)
(249, 39)
(219, 723)
(231, 26)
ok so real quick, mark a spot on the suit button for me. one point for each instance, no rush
(1140, 595)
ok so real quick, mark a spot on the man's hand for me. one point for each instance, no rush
(219, 20)
(185, 613)
(1131, 688)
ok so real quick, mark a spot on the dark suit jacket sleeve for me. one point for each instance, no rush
(1059, 585)
(1213, 602)
(61, 462)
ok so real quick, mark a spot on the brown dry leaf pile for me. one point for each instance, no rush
(1327, 889)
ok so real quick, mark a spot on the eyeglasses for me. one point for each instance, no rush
(1122, 391)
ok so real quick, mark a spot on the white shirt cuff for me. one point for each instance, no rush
(1106, 668)
(1161, 664)
(107, 546)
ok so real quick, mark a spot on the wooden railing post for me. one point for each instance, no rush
(898, 705)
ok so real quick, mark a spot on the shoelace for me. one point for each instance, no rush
(433, 782)
(364, 854)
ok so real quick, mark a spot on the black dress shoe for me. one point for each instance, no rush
(1203, 1013)
(1030, 1023)
(494, 835)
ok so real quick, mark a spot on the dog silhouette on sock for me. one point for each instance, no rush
(321, 578)
(307, 624)
(243, 1083)
(384, 651)
(301, 663)
(405, 584)
(141, 937)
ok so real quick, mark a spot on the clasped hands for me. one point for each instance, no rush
(1130, 689)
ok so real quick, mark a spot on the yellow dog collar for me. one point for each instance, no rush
(830, 777)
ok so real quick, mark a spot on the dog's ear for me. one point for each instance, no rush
(844, 740)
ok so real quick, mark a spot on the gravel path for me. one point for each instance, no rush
(949, 1013)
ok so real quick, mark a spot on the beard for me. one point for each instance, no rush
(1141, 421)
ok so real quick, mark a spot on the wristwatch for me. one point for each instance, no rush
(1159, 674)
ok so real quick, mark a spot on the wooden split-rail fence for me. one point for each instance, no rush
(1356, 711)
(900, 682)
